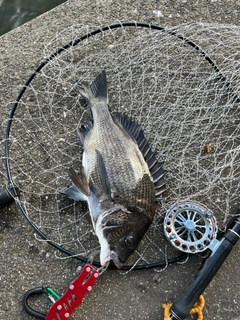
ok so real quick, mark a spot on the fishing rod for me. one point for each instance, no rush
(220, 251)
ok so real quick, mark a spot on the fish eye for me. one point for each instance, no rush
(129, 241)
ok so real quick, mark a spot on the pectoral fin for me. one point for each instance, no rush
(98, 181)
(103, 174)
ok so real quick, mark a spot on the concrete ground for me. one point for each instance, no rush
(25, 262)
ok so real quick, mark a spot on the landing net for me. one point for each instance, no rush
(181, 85)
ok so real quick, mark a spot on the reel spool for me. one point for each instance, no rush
(190, 226)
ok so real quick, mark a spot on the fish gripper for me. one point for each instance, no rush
(72, 298)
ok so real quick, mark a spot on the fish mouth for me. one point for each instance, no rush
(116, 260)
(110, 255)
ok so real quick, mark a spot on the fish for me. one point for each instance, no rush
(120, 178)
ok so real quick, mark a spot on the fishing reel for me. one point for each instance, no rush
(190, 226)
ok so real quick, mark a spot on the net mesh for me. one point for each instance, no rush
(189, 114)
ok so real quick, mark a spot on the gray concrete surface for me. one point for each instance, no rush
(24, 261)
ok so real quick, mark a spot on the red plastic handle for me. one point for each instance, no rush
(72, 298)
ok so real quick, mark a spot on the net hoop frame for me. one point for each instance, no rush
(106, 28)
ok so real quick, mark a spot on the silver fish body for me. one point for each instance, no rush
(120, 176)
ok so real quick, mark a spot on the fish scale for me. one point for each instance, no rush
(112, 148)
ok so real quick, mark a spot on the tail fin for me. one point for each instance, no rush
(97, 89)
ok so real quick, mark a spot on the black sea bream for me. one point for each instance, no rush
(120, 177)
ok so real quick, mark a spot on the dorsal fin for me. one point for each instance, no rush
(130, 127)
(135, 132)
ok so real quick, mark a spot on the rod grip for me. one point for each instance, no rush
(184, 303)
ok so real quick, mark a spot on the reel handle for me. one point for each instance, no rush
(184, 303)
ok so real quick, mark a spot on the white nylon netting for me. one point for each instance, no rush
(167, 86)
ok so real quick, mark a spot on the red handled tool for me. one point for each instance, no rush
(64, 306)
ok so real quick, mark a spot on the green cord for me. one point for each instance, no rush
(50, 291)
